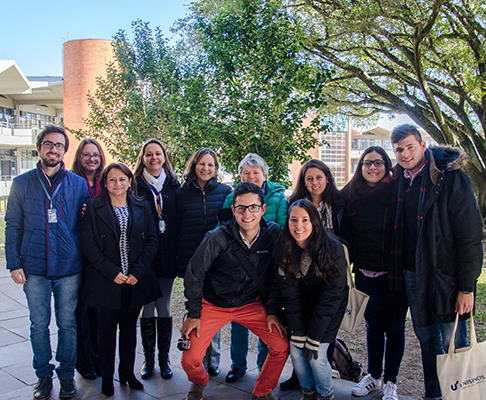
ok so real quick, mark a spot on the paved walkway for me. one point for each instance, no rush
(17, 376)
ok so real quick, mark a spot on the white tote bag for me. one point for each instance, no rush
(357, 302)
(462, 372)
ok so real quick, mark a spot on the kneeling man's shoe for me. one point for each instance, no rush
(42, 390)
(268, 396)
(196, 391)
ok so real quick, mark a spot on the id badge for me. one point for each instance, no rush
(51, 216)
(162, 226)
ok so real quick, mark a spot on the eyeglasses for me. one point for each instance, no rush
(93, 156)
(254, 208)
(50, 145)
(376, 163)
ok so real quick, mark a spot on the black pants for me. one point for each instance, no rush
(385, 315)
(108, 320)
(87, 358)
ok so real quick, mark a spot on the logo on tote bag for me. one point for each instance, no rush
(468, 383)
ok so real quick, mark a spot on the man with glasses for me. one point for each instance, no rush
(229, 278)
(43, 254)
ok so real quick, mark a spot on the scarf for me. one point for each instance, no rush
(155, 183)
(325, 212)
(396, 278)
(96, 192)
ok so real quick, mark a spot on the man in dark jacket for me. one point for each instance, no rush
(436, 254)
(226, 280)
(43, 254)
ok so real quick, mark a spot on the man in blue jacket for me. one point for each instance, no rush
(43, 254)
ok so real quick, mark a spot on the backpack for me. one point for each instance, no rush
(342, 361)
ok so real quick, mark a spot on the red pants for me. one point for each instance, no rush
(254, 317)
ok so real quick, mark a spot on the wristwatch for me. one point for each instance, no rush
(466, 291)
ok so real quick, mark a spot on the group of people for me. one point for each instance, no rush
(108, 243)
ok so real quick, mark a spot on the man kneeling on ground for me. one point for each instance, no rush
(227, 280)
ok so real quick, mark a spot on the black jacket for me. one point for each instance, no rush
(316, 308)
(215, 273)
(165, 261)
(100, 237)
(197, 214)
(449, 253)
(367, 227)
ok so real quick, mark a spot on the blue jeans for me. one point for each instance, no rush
(314, 373)
(38, 290)
(239, 348)
(433, 339)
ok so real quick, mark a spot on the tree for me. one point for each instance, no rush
(237, 82)
(423, 58)
(139, 98)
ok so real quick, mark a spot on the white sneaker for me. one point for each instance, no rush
(390, 391)
(366, 385)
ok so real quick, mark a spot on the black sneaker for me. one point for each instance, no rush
(42, 390)
(68, 388)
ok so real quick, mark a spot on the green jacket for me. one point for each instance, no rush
(275, 201)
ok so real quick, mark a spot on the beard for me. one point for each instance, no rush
(50, 163)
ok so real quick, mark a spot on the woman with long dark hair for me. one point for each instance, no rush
(198, 202)
(368, 227)
(119, 239)
(311, 273)
(89, 163)
(316, 184)
(157, 183)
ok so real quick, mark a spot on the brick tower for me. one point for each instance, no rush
(84, 60)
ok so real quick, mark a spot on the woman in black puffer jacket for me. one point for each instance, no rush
(198, 202)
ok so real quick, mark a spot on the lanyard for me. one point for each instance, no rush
(158, 201)
(49, 197)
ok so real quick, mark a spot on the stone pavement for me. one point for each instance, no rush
(17, 377)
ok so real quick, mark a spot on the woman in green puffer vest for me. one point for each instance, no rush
(254, 169)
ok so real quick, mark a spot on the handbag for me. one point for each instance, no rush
(462, 372)
(357, 302)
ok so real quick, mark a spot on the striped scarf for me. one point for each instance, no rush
(396, 277)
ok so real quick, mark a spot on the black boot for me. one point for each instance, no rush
(147, 329)
(164, 335)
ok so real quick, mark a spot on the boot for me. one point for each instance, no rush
(164, 335)
(147, 329)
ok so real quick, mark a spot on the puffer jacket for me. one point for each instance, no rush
(315, 308)
(165, 261)
(275, 201)
(197, 212)
(215, 273)
(449, 253)
(31, 243)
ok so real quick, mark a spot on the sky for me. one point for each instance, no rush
(32, 31)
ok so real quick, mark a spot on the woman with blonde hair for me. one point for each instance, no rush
(198, 202)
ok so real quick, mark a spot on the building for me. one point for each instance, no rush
(27, 105)
(342, 147)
